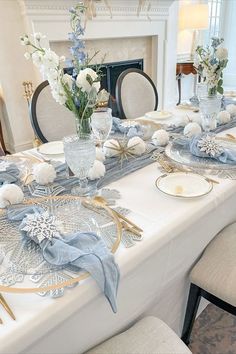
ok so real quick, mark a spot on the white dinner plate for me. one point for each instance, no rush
(52, 148)
(158, 115)
(184, 185)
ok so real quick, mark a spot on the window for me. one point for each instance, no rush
(215, 17)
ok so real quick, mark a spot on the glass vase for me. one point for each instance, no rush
(209, 107)
(83, 125)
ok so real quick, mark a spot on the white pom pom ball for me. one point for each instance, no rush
(160, 137)
(10, 194)
(231, 108)
(181, 121)
(192, 129)
(97, 170)
(136, 145)
(110, 147)
(100, 154)
(223, 117)
(44, 173)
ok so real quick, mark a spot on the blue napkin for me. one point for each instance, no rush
(84, 250)
(205, 145)
(10, 175)
(130, 132)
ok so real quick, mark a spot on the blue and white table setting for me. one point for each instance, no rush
(153, 268)
(105, 212)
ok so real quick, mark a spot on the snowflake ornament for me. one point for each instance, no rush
(209, 145)
(40, 226)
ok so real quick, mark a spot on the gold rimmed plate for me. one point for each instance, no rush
(184, 185)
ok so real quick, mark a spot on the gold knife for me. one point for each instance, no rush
(6, 307)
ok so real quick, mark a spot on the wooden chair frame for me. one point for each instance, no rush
(33, 114)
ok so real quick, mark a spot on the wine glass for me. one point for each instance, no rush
(101, 123)
(80, 154)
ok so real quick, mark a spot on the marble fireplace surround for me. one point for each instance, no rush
(158, 27)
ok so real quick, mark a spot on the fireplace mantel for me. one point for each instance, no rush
(159, 22)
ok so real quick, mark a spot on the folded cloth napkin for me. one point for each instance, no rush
(84, 250)
(135, 130)
(9, 173)
(206, 145)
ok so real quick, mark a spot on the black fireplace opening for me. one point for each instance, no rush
(109, 75)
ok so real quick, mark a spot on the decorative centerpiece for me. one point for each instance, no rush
(77, 92)
(210, 63)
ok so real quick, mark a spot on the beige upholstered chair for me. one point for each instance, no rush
(136, 94)
(150, 335)
(213, 278)
(49, 119)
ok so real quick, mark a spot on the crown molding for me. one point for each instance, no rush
(121, 8)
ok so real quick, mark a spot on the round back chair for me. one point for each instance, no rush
(136, 94)
(50, 120)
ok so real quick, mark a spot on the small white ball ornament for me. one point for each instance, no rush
(97, 170)
(181, 121)
(44, 173)
(231, 108)
(110, 147)
(10, 194)
(136, 145)
(192, 129)
(223, 117)
(160, 137)
(100, 154)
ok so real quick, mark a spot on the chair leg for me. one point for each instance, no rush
(194, 298)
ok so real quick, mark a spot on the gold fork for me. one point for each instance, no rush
(6, 307)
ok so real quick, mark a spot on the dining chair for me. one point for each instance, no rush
(149, 335)
(136, 94)
(50, 120)
(213, 278)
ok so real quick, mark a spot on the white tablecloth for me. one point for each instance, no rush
(154, 273)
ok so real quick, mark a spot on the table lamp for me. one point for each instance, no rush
(194, 17)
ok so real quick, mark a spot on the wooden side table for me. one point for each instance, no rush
(185, 68)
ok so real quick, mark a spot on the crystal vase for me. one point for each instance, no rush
(209, 107)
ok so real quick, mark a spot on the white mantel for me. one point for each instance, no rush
(51, 17)
(159, 23)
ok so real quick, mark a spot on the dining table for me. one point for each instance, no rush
(154, 272)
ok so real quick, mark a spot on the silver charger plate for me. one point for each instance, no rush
(181, 155)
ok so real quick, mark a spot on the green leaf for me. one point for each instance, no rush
(220, 90)
(220, 82)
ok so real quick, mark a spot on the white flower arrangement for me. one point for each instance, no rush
(210, 63)
(77, 92)
(10, 194)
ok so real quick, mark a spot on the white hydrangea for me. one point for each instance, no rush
(84, 84)
(160, 137)
(67, 79)
(192, 129)
(136, 145)
(222, 53)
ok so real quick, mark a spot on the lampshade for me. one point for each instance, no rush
(193, 16)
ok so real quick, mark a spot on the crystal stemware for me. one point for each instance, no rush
(80, 154)
(209, 108)
(101, 123)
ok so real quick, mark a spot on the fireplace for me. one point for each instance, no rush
(110, 73)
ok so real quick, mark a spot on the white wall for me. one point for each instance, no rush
(14, 69)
